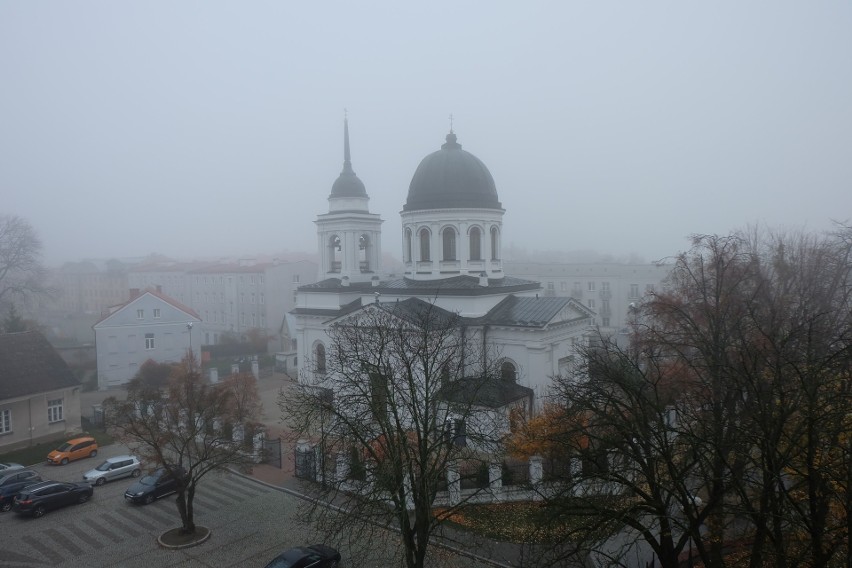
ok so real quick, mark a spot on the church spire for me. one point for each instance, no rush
(347, 184)
(347, 161)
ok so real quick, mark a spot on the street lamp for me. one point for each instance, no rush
(189, 329)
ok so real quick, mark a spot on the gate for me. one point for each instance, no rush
(272, 452)
(305, 459)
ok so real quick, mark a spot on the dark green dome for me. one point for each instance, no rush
(451, 178)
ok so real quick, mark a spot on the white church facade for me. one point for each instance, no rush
(452, 226)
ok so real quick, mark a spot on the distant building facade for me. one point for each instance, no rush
(232, 299)
(608, 289)
(151, 325)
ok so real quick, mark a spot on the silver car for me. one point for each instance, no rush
(114, 468)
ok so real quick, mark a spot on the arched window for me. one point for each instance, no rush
(508, 372)
(364, 252)
(475, 244)
(495, 241)
(449, 237)
(334, 253)
(407, 250)
(423, 235)
(319, 356)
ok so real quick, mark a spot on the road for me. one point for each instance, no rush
(250, 522)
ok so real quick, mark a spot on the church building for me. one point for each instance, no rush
(452, 226)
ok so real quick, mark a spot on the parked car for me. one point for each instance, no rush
(83, 447)
(7, 467)
(114, 468)
(153, 486)
(314, 556)
(11, 482)
(42, 497)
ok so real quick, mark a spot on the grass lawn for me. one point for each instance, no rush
(520, 522)
(32, 455)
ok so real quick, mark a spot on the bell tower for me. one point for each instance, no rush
(349, 236)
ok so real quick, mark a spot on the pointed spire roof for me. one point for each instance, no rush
(347, 184)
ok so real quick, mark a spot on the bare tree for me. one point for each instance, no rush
(187, 426)
(393, 405)
(724, 426)
(21, 273)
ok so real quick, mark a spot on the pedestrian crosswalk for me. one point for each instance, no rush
(63, 537)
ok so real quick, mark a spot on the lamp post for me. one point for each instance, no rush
(189, 329)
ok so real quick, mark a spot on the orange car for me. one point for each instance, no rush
(83, 447)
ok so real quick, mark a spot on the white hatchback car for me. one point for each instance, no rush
(114, 468)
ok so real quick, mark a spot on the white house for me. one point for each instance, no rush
(150, 325)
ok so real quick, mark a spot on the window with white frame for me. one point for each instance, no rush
(149, 341)
(634, 291)
(260, 279)
(591, 286)
(5, 421)
(55, 411)
(156, 313)
(262, 298)
(564, 286)
(140, 314)
(592, 304)
(295, 279)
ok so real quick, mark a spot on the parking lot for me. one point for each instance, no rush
(250, 523)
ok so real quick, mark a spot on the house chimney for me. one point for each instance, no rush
(483, 279)
(134, 293)
(344, 281)
(375, 280)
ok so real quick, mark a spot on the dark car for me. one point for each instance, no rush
(11, 484)
(314, 556)
(42, 497)
(154, 486)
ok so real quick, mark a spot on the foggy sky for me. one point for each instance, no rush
(215, 128)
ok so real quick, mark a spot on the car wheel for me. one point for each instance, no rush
(6, 507)
(149, 499)
(135, 473)
(64, 461)
(93, 453)
(100, 481)
(38, 511)
(82, 498)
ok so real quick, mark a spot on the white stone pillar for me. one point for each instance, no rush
(255, 369)
(454, 484)
(495, 479)
(257, 446)
(536, 470)
(341, 467)
(214, 375)
(235, 368)
(238, 434)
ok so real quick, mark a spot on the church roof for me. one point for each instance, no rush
(493, 393)
(455, 285)
(451, 178)
(522, 311)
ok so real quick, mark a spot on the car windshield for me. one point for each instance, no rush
(287, 559)
(64, 447)
(150, 479)
(103, 467)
